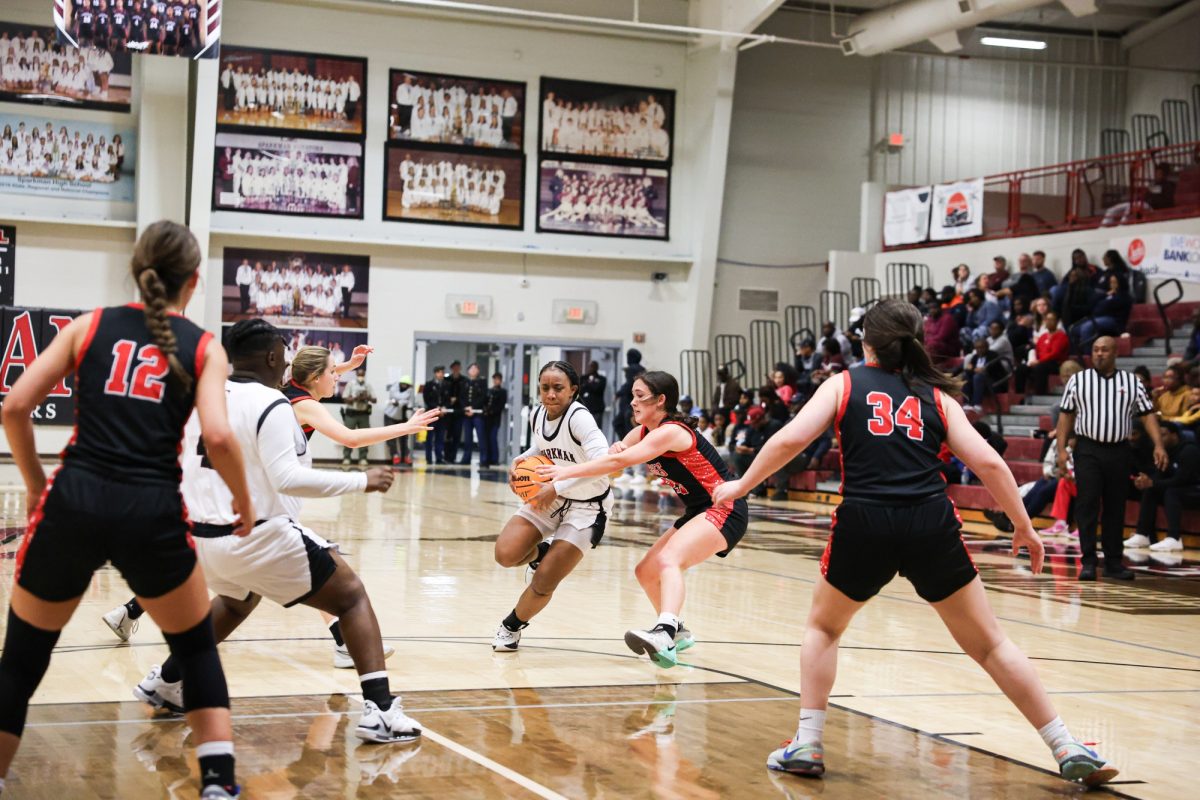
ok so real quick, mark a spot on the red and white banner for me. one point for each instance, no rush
(957, 210)
(1162, 255)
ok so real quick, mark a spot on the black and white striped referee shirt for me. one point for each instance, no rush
(1104, 408)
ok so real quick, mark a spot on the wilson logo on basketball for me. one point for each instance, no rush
(1136, 252)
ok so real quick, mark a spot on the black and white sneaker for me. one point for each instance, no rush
(377, 725)
(157, 693)
(506, 641)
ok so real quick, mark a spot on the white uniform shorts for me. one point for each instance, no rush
(280, 560)
(573, 525)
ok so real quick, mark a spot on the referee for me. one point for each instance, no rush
(1099, 405)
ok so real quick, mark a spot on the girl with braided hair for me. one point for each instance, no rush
(139, 369)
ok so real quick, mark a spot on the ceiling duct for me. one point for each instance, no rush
(939, 21)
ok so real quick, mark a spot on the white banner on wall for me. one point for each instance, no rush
(957, 210)
(1162, 255)
(906, 216)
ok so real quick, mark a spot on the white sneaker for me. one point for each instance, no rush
(156, 692)
(214, 792)
(1137, 540)
(683, 638)
(121, 623)
(505, 641)
(1166, 559)
(342, 659)
(377, 725)
(1166, 545)
(655, 643)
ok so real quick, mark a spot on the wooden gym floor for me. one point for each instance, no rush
(575, 715)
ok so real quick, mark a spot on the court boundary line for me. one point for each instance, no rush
(495, 766)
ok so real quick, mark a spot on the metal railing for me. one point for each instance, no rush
(766, 349)
(800, 323)
(730, 351)
(696, 375)
(834, 306)
(902, 276)
(1163, 306)
(865, 291)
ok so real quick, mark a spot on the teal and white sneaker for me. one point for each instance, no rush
(656, 643)
(683, 638)
(1078, 762)
(803, 759)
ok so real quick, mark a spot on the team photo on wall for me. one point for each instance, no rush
(605, 120)
(277, 175)
(454, 188)
(292, 91)
(66, 158)
(603, 200)
(449, 109)
(35, 68)
(295, 289)
(189, 28)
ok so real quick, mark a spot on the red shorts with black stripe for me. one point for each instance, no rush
(730, 521)
(871, 542)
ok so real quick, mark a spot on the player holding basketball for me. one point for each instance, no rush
(892, 418)
(566, 518)
(666, 442)
(139, 370)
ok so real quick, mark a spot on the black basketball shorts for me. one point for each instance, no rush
(730, 521)
(869, 543)
(85, 520)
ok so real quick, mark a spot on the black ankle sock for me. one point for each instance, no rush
(170, 670)
(512, 622)
(134, 609)
(670, 629)
(542, 549)
(335, 630)
(378, 691)
(217, 770)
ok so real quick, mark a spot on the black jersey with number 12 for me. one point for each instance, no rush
(890, 435)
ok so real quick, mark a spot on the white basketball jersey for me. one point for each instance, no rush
(573, 438)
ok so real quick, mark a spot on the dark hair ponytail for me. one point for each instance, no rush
(895, 331)
(664, 384)
(566, 369)
(164, 259)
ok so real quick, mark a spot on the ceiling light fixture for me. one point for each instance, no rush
(1023, 44)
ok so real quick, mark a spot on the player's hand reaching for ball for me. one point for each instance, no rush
(617, 447)
(550, 472)
(422, 420)
(727, 492)
(1024, 536)
(379, 479)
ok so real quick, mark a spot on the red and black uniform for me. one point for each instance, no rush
(294, 392)
(694, 474)
(895, 515)
(116, 496)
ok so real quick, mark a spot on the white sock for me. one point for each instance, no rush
(1055, 734)
(812, 725)
(669, 620)
(206, 749)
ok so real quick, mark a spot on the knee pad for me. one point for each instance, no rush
(200, 667)
(22, 665)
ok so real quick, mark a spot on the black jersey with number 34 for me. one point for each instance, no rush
(129, 410)
(890, 435)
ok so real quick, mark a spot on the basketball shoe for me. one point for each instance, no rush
(505, 641)
(342, 659)
(1078, 762)
(214, 792)
(656, 643)
(156, 692)
(121, 623)
(683, 638)
(377, 725)
(803, 759)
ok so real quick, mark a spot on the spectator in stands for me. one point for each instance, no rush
(962, 279)
(1043, 490)
(1109, 315)
(807, 362)
(1190, 418)
(1079, 261)
(1192, 351)
(1114, 264)
(704, 427)
(1042, 276)
(1040, 306)
(1160, 193)
(941, 336)
(1050, 351)
(1143, 375)
(999, 273)
(854, 333)
(591, 392)
(1021, 284)
(784, 388)
(1174, 488)
(928, 298)
(725, 396)
(1020, 335)
(1065, 492)
(914, 296)
(833, 361)
(830, 331)
(687, 406)
(1171, 399)
(720, 427)
(999, 344)
(976, 371)
(981, 313)
(768, 401)
(750, 439)
(737, 415)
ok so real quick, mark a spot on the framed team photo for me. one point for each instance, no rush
(340, 341)
(35, 68)
(453, 110)
(286, 90)
(452, 187)
(604, 200)
(604, 120)
(66, 158)
(295, 289)
(279, 175)
(187, 28)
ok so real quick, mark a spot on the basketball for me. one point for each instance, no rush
(525, 482)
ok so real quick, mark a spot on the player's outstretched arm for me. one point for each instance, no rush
(312, 413)
(816, 416)
(655, 443)
(219, 442)
(984, 461)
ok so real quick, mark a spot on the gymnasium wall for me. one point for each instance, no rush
(1174, 47)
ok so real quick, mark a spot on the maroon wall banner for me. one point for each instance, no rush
(26, 333)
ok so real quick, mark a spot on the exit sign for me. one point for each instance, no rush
(468, 308)
(575, 314)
